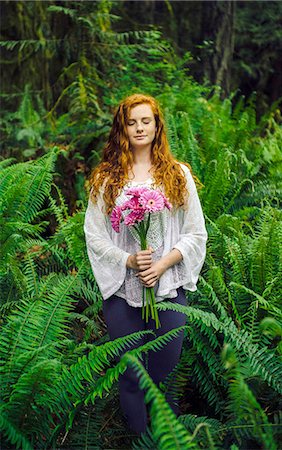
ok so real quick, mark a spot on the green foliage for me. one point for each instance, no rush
(167, 431)
(59, 372)
(242, 402)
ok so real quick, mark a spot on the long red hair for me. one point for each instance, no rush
(117, 158)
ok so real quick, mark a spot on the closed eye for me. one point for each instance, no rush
(144, 121)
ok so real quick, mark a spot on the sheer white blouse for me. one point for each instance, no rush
(180, 228)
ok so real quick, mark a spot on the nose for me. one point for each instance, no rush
(139, 126)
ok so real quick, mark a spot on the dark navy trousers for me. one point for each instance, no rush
(122, 319)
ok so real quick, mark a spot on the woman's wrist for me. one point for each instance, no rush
(131, 262)
(172, 258)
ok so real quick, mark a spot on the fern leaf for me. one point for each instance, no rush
(167, 431)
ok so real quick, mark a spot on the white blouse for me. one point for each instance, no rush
(179, 228)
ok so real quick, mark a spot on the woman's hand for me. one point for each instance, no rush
(142, 260)
(150, 276)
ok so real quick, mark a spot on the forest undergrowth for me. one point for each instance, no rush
(59, 377)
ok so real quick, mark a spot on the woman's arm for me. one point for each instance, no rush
(191, 245)
(108, 262)
(193, 234)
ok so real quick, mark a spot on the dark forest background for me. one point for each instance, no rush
(54, 48)
(234, 44)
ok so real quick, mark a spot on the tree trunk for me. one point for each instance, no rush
(218, 32)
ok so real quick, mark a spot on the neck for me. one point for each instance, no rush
(142, 156)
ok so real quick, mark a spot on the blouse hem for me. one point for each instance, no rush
(161, 294)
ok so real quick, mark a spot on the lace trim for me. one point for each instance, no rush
(132, 289)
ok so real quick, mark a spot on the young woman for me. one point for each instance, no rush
(137, 154)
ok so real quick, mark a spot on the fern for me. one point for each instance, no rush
(12, 434)
(263, 361)
(242, 400)
(55, 357)
(35, 324)
(112, 374)
(168, 433)
(208, 432)
(86, 430)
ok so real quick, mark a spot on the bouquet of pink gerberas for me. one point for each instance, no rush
(143, 202)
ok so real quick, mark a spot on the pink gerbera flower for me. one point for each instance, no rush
(134, 217)
(136, 191)
(116, 218)
(167, 204)
(152, 201)
(133, 203)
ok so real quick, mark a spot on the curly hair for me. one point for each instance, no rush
(113, 170)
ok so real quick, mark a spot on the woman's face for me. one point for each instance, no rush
(141, 126)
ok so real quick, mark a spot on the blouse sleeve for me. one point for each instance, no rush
(193, 234)
(108, 262)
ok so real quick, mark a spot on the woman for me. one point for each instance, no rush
(137, 154)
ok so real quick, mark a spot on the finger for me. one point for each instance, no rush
(151, 284)
(143, 273)
(144, 252)
(141, 259)
(144, 267)
(143, 255)
(149, 278)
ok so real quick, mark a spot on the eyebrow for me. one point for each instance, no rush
(142, 118)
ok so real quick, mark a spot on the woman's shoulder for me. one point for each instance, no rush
(184, 166)
(191, 179)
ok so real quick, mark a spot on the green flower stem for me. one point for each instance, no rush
(147, 305)
(148, 224)
(148, 293)
(143, 302)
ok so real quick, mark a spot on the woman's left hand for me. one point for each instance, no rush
(149, 277)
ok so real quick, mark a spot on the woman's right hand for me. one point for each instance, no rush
(142, 260)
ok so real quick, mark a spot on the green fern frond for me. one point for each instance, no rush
(88, 369)
(13, 435)
(212, 299)
(91, 293)
(60, 211)
(209, 433)
(242, 401)
(208, 388)
(27, 405)
(167, 431)
(12, 280)
(190, 149)
(265, 250)
(264, 362)
(31, 276)
(62, 9)
(262, 302)
(85, 433)
(176, 381)
(215, 275)
(172, 134)
(36, 323)
(145, 442)
(6, 163)
(112, 374)
(271, 328)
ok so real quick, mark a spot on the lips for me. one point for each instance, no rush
(139, 137)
